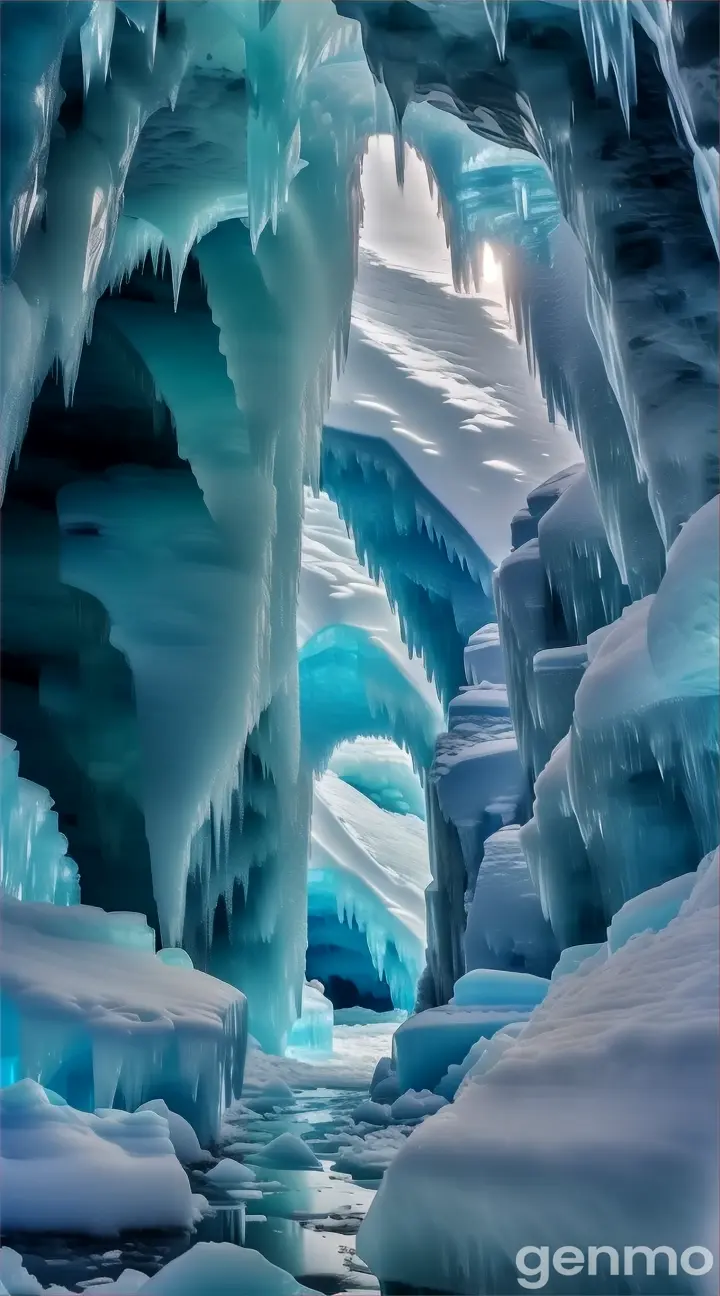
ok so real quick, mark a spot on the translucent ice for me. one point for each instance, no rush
(34, 864)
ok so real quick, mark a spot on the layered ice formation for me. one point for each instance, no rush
(90, 1012)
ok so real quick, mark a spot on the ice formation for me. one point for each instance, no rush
(34, 864)
(101, 1173)
(90, 1012)
(366, 905)
(313, 1030)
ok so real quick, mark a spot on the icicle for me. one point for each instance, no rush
(497, 12)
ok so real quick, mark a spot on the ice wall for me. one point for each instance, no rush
(131, 145)
(640, 762)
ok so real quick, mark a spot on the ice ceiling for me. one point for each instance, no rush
(181, 208)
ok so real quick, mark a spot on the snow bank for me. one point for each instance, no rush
(207, 1269)
(90, 1011)
(71, 1171)
(597, 1126)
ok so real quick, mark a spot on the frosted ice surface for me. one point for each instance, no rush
(483, 657)
(70, 1171)
(89, 1009)
(609, 1049)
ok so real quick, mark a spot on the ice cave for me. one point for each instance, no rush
(360, 702)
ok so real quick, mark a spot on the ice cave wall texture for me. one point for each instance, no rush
(217, 578)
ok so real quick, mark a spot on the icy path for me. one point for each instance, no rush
(303, 1220)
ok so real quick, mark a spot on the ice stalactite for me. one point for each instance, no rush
(649, 252)
(434, 573)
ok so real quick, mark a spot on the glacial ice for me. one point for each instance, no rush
(34, 864)
(313, 1030)
(89, 1011)
(493, 988)
(101, 1173)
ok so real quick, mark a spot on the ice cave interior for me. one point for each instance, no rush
(360, 740)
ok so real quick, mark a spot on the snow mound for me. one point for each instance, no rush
(576, 1131)
(182, 1135)
(70, 1171)
(287, 1152)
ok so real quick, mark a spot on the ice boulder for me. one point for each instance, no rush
(428, 1043)
(90, 1011)
(371, 1112)
(230, 1174)
(415, 1106)
(175, 957)
(76, 1172)
(182, 1135)
(490, 988)
(287, 1152)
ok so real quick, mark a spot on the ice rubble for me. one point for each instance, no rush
(34, 864)
(611, 1048)
(89, 1011)
(368, 870)
(102, 1173)
(218, 1267)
